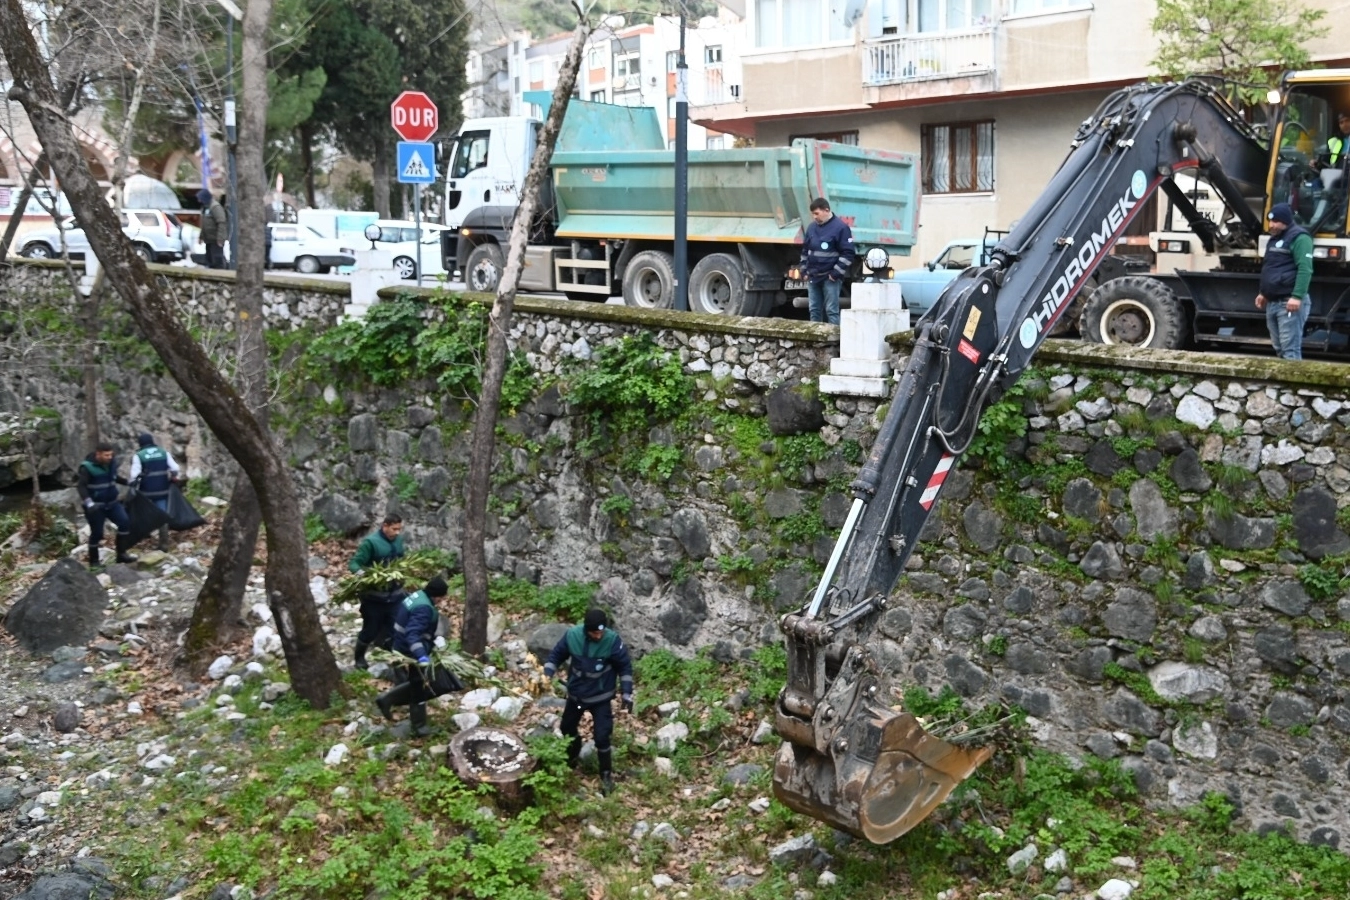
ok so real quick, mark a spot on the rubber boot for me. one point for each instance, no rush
(163, 544)
(395, 696)
(574, 752)
(93, 555)
(417, 718)
(361, 648)
(123, 545)
(606, 758)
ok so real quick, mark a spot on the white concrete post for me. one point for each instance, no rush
(374, 269)
(863, 365)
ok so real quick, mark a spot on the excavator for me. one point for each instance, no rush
(846, 757)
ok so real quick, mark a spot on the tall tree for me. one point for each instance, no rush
(313, 670)
(1249, 41)
(473, 632)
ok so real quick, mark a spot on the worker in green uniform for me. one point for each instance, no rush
(1285, 276)
(378, 605)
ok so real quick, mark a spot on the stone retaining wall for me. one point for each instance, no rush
(1152, 569)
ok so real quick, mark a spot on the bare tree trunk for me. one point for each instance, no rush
(379, 173)
(306, 134)
(309, 658)
(217, 612)
(473, 634)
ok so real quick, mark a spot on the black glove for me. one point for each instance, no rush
(628, 704)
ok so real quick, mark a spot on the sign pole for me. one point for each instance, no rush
(417, 220)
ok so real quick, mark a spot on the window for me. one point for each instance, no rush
(716, 142)
(148, 219)
(595, 59)
(1018, 7)
(672, 60)
(838, 137)
(597, 96)
(958, 158)
(536, 72)
(628, 64)
(797, 23)
(285, 233)
(953, 15)
(712, 56)
(472, 153)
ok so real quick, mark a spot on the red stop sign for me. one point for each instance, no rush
(414, 116)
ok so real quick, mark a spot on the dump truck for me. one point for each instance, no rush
(606, 222)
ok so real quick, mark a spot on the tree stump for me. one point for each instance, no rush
(495, 757)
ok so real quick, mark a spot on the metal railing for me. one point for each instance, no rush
(924, 57)
(713, 88)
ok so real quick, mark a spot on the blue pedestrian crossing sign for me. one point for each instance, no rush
(416, 162)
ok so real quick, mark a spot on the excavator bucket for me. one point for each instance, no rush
(878, 782)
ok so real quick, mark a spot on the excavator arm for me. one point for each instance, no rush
(847, 758)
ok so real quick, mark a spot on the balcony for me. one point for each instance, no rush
(712, 89)
(928, 57)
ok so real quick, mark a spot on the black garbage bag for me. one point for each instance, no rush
(144, 515)
(181, 515)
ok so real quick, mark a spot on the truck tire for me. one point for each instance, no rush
(717, 285)
(483, 269)
(649, 280)
(1136, 311)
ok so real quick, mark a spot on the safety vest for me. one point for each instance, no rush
(591, 676)
(412, 627)
(1279, 273)
(1334, 147)
(102, 487)
(154, 472)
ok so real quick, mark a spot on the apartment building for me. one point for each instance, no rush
(629, 65)
(989, 92)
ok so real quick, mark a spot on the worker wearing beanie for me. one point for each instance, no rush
(414, 636)
(598, 662)
(1286, 273)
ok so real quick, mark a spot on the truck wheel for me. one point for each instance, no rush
(1135, 310)
(649, 280)
(717, 285)
(483, 271)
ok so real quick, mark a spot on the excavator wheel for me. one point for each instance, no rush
(1137, 311)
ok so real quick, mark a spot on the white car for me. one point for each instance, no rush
(399, 237)
(305, 250)
(157, 236)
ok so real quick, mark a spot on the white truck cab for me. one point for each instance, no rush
(486, 167)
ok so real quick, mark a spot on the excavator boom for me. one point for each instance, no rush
(847, 758)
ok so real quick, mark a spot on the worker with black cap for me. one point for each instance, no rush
(598, 662)
(415, 624)
(153, 470)
(1285, 275)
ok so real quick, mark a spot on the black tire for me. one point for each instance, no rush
(307, 265)
(1136, 311)
(717, 285)
(144, 252)
(483, 269)
(37, 250)
(649, 280)
(405, 268)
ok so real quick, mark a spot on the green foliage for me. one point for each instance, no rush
(665, 676)
(1001, 423)
(315, 530)
(618, 505)
(998, 645)
(404, 485)
(1136, 681)
(569, 601)
(768, 672)
(656, 461)
(381, 348)
(1194, 651)
(628, 386)
(1320, 581)
(10, 522)
(1249, 41)
(801, 528)
(797, 451)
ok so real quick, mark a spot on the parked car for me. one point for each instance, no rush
(399, 237)
(921, 287)
(302, 248)
(158, 236)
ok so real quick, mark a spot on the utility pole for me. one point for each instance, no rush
(232, 12)
(681, 174)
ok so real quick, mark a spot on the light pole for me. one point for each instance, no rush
(234, 14)
(681, 174)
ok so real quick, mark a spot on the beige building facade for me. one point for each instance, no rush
(989, 92)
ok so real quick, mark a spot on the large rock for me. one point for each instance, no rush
(338, 514)
(1315, 524)
(65, 607)
(790, 412)
(1132, 615)
(363, 433)
(43, 431)
(1189, 474)
(690, 528)
(984, 527)
(1153, 516)
(1102, 459)
(543, 639)
(1181, 681)
(1286, 596)
(70, 886)
(1102, 561)
(1083, 500)
(684, 613)
(1239, 532)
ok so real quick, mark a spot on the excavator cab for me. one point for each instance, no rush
(1310, 166)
